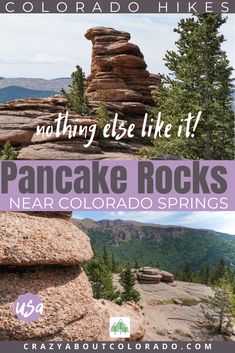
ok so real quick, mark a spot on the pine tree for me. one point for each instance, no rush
(114, 265)
(205, 274)
(218, 309)
(187, 274)
(77, 98)
(106, 257)
(136, 263)
(199, 80)
(8, 152)
(219, 271)
(103, 115)
(158, 264)
(101, 280)
(128, 282)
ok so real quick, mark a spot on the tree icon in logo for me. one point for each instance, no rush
(119, 327)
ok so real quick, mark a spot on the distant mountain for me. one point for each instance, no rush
(15, 92)
(36, 83)
(149, 243)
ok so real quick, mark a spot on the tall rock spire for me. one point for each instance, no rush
(118, 73)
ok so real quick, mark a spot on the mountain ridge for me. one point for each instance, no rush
(172, 246)
(16, 92)
(55, 84)
(147, 224)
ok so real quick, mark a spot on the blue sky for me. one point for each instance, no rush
(219, 221)
(50, 46)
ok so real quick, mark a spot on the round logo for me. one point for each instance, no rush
(28, 307)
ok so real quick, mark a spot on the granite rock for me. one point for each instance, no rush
(31, 240)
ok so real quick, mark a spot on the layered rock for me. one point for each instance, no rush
(119, 75)
(30, 240)
(20, 118)
(42, 253)
(150, 275)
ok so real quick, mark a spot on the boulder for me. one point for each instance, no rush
(65, 292)
(85, 328)
(144, 278)
(149, 270)
(167, 277)
(153, 275)
(52, 248)
(31, 240)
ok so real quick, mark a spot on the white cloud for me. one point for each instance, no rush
(37, 59)
(56, 37)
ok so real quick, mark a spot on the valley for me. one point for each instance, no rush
(171, 246)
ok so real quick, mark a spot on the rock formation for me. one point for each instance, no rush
(18, 122)
(119, 75)
(150, 275)
(42, 254)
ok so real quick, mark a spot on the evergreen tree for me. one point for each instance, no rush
(77, 98)
(114, 264)
(187, 274)
(8, 152)
(103, 115)
(128, 282)
(219, 272)
(158, 264)
(204, 275)
(106, 257)
(101, 280)
(199, 80)
(136, 263)
(218, 309)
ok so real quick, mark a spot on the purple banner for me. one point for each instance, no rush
(117, 6)
(117, 185)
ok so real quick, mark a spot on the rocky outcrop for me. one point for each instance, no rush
(19, 119)
(42, 253)
(119, 75)
(25, 240)
(150, 275)
(167, 277)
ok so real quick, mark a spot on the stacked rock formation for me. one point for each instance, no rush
(119, 75)
(42, 254)
(150, 275)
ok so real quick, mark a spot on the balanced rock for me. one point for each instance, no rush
(153, 275)
(150, 270)
(118, 73)
(42, 253)
(118, 76)
(144, 278)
